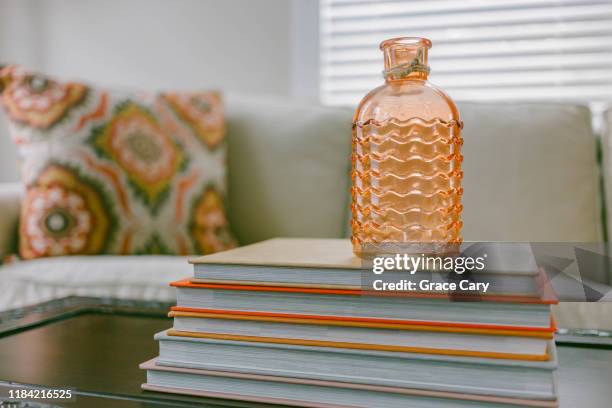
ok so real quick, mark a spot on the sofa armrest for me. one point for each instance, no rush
(10, 199)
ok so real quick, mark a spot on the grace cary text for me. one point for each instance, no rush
(429, 286)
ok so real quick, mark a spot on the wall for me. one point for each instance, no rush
(232, 45)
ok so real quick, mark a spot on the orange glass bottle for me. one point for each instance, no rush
(406, 158)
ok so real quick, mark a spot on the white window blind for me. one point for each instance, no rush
(483, 50)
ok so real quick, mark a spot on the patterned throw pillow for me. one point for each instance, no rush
(115, 172)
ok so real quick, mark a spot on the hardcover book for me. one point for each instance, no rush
(313, 393)
(330, 263)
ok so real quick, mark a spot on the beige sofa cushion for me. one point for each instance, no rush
(531, 173)
(288, 168)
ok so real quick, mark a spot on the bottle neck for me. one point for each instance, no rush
(405, 62)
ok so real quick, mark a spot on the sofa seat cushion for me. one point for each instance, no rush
(125, 277)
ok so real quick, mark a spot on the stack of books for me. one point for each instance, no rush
(286, 321)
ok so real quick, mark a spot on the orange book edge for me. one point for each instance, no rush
(186, 283)
(272, 284)
(372, 322)
(361, 346)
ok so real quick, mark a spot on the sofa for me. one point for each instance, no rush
(533, 172)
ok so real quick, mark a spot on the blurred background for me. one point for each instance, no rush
(318, 51)
(532, 78)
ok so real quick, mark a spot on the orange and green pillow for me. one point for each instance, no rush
(117, 172)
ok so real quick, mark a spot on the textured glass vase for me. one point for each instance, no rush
(406, 158)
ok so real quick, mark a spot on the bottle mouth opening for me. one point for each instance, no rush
(416, 42)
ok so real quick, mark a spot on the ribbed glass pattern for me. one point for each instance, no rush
(407, 181)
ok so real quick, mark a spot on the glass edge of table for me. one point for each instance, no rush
(29, 317)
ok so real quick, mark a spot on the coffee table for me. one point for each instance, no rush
(94, 346)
